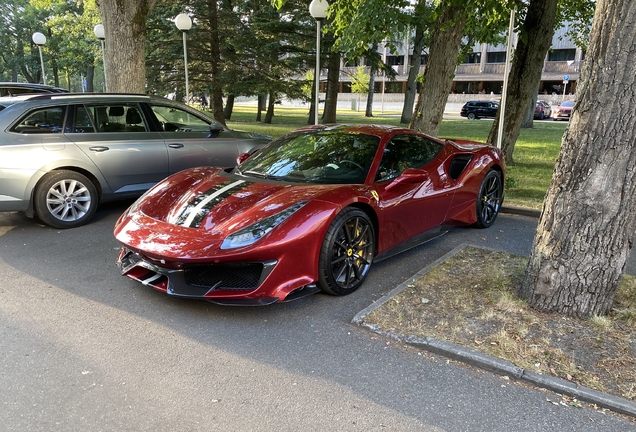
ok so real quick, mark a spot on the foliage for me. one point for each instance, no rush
(360, 81)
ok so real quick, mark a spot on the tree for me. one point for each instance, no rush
(588, 221)
(535, 38)
(125, 30)
(360, 82)
(453, 19)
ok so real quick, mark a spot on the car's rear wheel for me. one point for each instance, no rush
(489, 199)
(347, 252)
(65, 199)
(471, 116)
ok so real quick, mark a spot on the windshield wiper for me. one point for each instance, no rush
(259, 174)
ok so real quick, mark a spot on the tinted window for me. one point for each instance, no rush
(406, 151)
(117, 118)
(83, 122)
(47, 120)
(177, 120)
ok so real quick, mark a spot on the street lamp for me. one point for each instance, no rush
(318, 10)
(101, 35)
(184, 23)
(39, 39)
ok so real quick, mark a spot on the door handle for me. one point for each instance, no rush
(175, 146)
(99, 149)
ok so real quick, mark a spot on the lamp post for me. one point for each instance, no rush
(184, 23)
(318, 10)
(504, 92)
(39, 39)
(101, 35)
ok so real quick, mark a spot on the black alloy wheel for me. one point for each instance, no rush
(489, 199)
(347, 252)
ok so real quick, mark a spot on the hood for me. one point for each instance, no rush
(208, 199)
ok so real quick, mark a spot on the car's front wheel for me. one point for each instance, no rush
(65, 199)
(471, 116)
(347, 252)
(489, 199)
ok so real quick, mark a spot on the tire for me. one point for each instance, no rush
(471, 116)
(65, 199)
(489, 199)
(347, 253)
(541, 116)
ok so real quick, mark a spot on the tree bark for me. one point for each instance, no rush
(440, 69)
(90, 75)
(333, 80)
(534, 41)
(216, 94)
(588, 221)
(414, 70)
(270, 107)
(229, 107)
(125, 43)
(373, 69)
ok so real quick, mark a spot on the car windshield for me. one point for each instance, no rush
(568, 104)
(325, 157)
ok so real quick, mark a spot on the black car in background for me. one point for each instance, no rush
(479, 108)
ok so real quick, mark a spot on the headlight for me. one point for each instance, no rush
(254, 232)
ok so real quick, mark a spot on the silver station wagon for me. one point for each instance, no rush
(62, 154)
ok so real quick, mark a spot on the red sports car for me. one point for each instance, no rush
(311, 211)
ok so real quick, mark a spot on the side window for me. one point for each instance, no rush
(46, 120)
(177, 120)
(83, 122)
(118, 118)
(406, 151)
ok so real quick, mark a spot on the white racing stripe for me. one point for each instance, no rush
(202, 204)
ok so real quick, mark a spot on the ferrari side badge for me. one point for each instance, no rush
(376, 196)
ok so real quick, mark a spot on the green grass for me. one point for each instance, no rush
(535, 155)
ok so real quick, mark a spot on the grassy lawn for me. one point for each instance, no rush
(535, 154)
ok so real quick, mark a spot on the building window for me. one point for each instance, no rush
(395, 60)
(496, 57)
(472, 58)
(561, 54)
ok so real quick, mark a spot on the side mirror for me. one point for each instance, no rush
(215, 130)
(410, 175)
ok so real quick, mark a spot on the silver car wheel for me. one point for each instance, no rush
(65, 199)
(68, 200)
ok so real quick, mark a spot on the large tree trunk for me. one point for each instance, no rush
(534, 41)
(229, 107)
(414, 70)
(333, 81)
(440, 69)
(216, 94)
(586, 229)
(90, 75)
(125, 43)
(270, 107)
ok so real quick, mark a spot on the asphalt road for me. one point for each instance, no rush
(83, 348)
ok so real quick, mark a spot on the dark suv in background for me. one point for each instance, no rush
(479, 108)
(13, 88)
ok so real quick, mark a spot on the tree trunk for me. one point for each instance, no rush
(528, 117)
(333, 80)
(525, 73)
(125, 43)
(440, 69)
(90, 76)
(260, 102)
(587, 226)
(373, 69)
(229, 107)
(270, 107)
(414, 70)
(216, 94)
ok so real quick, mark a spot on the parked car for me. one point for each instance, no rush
(13, 89)
(479, 108)
(563, 111)
(310, 211)
(542, 110)
(61, 154)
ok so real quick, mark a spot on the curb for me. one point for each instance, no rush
(521, 211)
(488, 362)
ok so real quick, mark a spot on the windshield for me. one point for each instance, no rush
(568, 104)
(325, 157)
